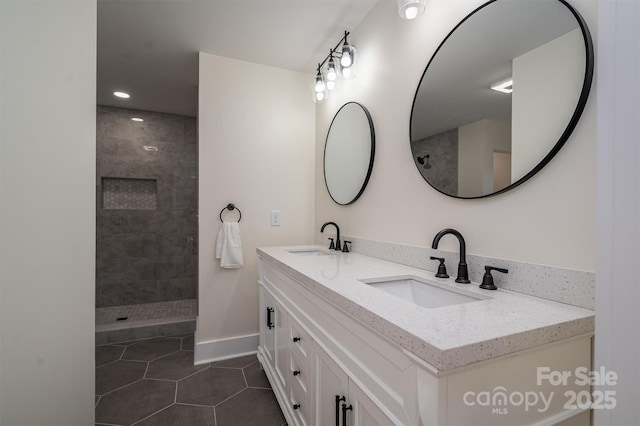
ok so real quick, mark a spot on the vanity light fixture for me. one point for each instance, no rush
(504, 86)
(345, 56)
(120, 94)
(411, 9)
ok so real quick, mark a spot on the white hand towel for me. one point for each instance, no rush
(229, 245)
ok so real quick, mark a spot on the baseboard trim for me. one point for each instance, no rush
(221, 349)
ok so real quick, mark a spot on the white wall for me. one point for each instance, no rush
(548, 220)
(47, 212)
(548, 93)
(617, 343)
(256, 147)
(476, 143)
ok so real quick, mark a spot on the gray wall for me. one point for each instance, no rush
(443, 151)
(146, 256)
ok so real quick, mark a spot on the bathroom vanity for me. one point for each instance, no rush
(346, 339)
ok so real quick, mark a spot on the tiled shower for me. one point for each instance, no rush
(147, 225)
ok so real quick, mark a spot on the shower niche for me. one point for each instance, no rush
(129, 194)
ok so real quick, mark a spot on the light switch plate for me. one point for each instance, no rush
(275, 217)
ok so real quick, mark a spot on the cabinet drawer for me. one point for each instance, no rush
(300, 373)
(300, 402)
(300, 341)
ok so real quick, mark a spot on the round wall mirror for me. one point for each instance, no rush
(500, 96)
(348, 153)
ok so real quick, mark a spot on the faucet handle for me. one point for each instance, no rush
(332, 246)
(442, 268)
(345, 249)
(487, 279)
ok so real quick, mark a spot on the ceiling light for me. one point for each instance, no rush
(411, 9)
(123, 95)
(504, 86)
(150, 148)
(137, 119)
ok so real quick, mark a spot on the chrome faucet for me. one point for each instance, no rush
(463, 273)
(337, 245)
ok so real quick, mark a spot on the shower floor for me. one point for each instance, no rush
(132, 322)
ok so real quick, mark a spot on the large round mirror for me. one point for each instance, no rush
(500, 96)
(348, 153)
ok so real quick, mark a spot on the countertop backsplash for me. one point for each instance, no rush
(570, 286)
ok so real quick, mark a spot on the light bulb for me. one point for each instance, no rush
(331, 70)
(331, 84)
(346, 59)
(348, 73)
(319, 96)
(319, 86)
(410, 12)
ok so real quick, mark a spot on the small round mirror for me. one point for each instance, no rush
(348, 153)
(500, 96)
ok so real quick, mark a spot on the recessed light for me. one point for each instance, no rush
(504, 86)
(123, 95)
(150, 148)
(137, 119)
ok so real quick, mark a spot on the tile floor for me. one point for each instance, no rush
(153, 382)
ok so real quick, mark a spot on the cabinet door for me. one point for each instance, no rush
(267, 326)
(282, 343)
(330, 383)
(364, 412)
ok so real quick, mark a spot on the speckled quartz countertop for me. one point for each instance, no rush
(446, 337)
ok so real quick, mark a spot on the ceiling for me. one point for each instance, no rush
(149, 48)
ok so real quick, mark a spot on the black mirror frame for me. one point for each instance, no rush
(582, 101)
(371, 157)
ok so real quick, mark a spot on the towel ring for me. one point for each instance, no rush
(231, 207)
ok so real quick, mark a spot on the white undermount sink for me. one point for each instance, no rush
(309, 252)
(421, 293)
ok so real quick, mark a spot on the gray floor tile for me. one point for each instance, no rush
(135, 402)
(181, 415)
(240, 362)
(117, 374)
(187, 343)
(250, 407)
(175, 366)
(108, 353)
(211, 386)
(151, 349)
(256, 377)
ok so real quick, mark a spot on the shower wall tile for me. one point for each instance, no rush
(112, 222)
(110, 271)
(146, 256)
(143, 268)
(191, 266)
(120, 246)
(173, 245)
(170, 267)
(178, 289)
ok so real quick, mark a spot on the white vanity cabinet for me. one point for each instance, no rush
(318, 358)
(310, 358)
